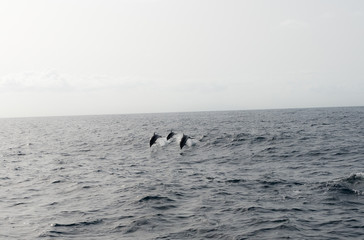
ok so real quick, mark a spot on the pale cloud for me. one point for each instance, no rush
(196, 85)
(328, 15)
(35, 81)
(293, 24)
(52, 80)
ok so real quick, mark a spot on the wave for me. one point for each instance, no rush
(155, 198)
(78, 224)
(232, 140)
(354, 184)
(158, 202)
(60, 230)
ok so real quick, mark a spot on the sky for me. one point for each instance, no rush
(86, 57)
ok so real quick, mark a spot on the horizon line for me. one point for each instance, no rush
(172, 112)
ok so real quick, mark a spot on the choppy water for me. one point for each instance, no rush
(273, 174)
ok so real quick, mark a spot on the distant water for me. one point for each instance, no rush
(275, 174)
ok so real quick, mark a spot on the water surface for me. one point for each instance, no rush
(269, 174)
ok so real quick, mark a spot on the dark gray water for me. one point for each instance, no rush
(274, 174)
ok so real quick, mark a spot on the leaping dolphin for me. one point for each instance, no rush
(153, 139)
(170, 135)
(183, 140)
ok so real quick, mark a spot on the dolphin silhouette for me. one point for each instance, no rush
(170, 135)
(153, 139)
(183, 140)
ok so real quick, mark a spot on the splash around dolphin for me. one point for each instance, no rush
(182, 140)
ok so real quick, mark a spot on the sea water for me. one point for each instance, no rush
(268, 174)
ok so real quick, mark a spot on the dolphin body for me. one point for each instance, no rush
(183, 140)
(153, 139)
(170, 135)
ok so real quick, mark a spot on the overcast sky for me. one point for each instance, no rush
(76, 57)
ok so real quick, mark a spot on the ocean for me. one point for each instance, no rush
(262, 174)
